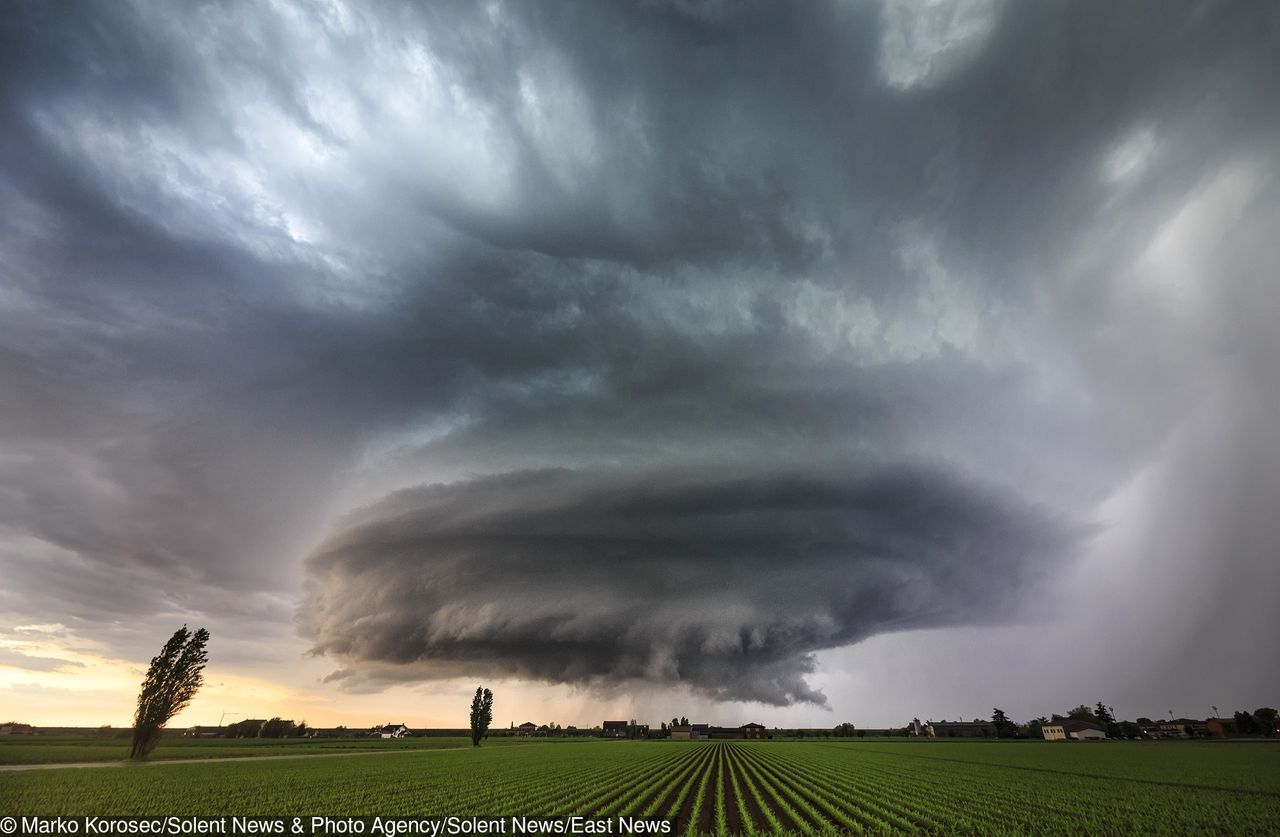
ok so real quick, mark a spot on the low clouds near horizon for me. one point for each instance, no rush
(666, 343)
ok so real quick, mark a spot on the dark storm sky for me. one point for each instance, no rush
(633, 344)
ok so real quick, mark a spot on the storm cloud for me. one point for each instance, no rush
(655, 343)
(725, 583)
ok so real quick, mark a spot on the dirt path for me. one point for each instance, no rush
(13, 768)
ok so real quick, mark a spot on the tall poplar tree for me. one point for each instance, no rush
(481, 715)
(173, 679)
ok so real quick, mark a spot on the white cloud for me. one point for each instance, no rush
(922, 42)
(1131, 156)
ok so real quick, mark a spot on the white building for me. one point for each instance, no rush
(1073, 729)
(391, 731)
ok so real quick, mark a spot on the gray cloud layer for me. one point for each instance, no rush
(791, 321)
(29, 662)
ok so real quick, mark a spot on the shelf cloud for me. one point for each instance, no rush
(726, 583)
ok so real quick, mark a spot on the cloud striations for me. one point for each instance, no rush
(607, 344)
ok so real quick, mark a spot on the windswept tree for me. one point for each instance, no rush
(173, 679)
(1105, 717)
(1000, 721)
(481, 715)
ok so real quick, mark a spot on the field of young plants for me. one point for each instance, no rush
(65, 749)
(722, 787)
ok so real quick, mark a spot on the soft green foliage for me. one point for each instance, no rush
(727, 787)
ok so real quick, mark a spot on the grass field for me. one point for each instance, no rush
(723, 787)
(66, 749)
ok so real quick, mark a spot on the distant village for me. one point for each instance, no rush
(1080, 724)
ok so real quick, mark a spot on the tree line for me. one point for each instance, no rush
(177, 672)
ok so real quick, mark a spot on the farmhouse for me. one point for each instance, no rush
(724, 732)
(1222, 727)
(202, 732)
(1181, 728)
(1084, 730)
(527, 729)
(1072, 728)
(614, 729)
(390, 731)
(248, 728)
(746, 731)
(682, 732)
(959, 729)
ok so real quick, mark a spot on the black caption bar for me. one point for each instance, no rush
(337, 826)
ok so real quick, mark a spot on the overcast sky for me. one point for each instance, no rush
(791, 362)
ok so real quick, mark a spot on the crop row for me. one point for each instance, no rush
(752, 788)
(725, 788)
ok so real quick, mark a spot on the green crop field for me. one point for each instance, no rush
(65, 749)
(721, 787)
